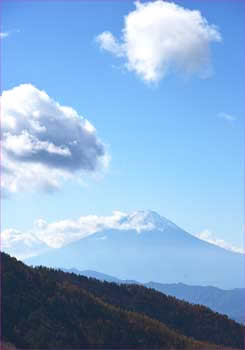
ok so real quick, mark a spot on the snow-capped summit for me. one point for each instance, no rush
(144, 220)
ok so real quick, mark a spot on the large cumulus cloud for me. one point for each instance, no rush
(44, 142)
(161, 37)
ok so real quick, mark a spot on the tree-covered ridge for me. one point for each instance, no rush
(45, 308)
(196, 321)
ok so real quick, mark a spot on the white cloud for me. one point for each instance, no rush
(4, 35)
(45, 143)
(208, 236)
(22, 244)
(227, 117)
(160, 37)
(60, 233)
(109, 43)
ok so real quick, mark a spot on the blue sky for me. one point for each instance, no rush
(172, 147)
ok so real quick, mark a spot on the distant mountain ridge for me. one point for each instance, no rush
(228, 302)
(93, 274)
(144, 246)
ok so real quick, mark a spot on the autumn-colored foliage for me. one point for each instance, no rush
(7, 346)
(48, 309)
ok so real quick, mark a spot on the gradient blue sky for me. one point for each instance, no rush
(170, 150)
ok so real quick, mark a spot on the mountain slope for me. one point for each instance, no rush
(49, 309)
(45, 308)
(155, 250)
(196, 321)
(228, 302)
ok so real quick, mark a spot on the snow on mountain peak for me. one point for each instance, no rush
(143, 220)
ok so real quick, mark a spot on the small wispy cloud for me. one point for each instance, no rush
(4, 35)
(208, 236)
(227, 117)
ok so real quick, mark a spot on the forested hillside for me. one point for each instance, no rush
(228, 302)
(44, 308)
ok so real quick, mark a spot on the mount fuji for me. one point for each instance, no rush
(145, 246)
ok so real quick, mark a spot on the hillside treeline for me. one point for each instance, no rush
(44, 308)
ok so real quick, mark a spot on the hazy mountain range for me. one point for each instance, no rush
(145, 246)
